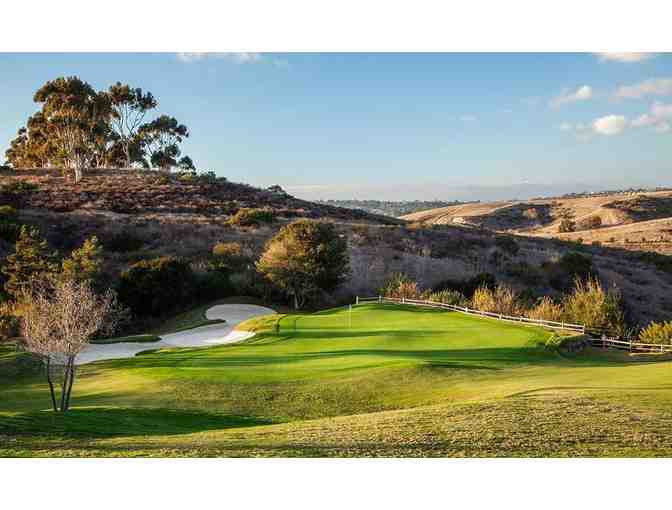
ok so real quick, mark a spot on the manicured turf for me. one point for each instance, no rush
(386, 380)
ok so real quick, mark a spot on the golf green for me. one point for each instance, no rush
(377, 380)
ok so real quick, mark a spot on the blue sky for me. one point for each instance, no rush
(394, 126)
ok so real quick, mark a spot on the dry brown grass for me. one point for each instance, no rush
(634, 221)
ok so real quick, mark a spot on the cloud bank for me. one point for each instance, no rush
(626, 58)
(654, 87)
(238, 58)
(659, 118)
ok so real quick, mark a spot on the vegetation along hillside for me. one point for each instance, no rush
(637, 220)
(140, 215)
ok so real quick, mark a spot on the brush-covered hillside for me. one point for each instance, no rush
(143, 215)
(634, 220)
(150, 192)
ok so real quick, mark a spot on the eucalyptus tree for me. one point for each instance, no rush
(78, 127)
(161, 138)
(77, 117)
(129, 108)
(33, 145)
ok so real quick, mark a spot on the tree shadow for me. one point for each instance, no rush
(119, 422)
(458, 358)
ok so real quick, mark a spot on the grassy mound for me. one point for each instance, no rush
(382, 380)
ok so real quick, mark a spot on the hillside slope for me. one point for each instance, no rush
(152, 217)
(146, 192)
(617, 218)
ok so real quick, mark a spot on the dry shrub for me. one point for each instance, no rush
(252, 217)
(401, 286)
(447, 297)
(407, 290)
(591, 222)
(546, 309)
(231, 249)
(595, 307)
(657, 333)
(502, 299)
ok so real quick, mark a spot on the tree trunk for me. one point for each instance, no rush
(71, 379)
(296, 301)
(78, 174)
(64, 387)
(127, 152)
(51, 385)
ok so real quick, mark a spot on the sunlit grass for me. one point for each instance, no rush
(380, 380)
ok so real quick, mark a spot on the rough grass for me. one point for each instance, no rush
(387, 381)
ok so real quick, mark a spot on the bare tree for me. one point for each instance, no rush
(60, 318)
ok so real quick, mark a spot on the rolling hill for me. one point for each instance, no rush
(141, 215)
(387, 381)
(637, 220)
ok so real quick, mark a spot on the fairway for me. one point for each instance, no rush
(380, 380)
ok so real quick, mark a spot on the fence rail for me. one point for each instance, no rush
(628, 345)
(604, 342)
(566, 326)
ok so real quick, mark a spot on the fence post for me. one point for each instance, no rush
(403, 300)
(357, 300)
(380, 299)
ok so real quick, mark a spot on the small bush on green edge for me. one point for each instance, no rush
(400, 286)
(447, 297)
(659, 333)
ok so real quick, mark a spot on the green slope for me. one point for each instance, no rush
(385, 380)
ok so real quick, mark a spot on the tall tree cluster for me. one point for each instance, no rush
(78, 127)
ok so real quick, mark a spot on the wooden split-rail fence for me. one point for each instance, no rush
(595, 337)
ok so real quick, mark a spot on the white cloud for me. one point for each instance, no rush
(583, 93)
(659, 118)
(610, 125)
(239, 58)
(627, 58)
(655, 87)
(566, 126)
(468, 118)
(243, 58)
(190, 57)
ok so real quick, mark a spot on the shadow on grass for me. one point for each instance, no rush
(119, 422)
(458, 358)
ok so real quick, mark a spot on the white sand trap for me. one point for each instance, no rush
(214, 334)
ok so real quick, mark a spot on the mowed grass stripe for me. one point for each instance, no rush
(378, 359)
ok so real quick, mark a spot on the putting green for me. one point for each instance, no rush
(422, 378)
